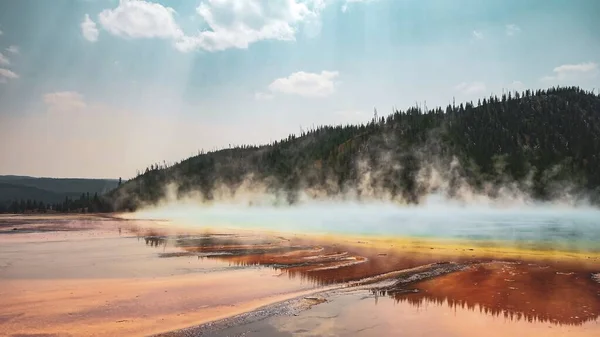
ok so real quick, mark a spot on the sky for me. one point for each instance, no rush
(103, 88)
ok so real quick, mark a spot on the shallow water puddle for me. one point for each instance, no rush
(361, 315)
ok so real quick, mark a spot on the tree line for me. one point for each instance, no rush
(540, 142)
(84, 204)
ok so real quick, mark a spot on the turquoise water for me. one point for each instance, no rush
(539, 227)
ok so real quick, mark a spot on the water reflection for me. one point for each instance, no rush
(518, 291)
(155, 241)
(565, 294)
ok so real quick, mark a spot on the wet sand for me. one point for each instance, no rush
(93, 282)
(88, 280)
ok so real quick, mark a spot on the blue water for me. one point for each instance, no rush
(542, 226)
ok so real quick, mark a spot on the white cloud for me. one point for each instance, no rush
(89, 29)
(351, 116)
(239, 23)
(516, 85)
(4, 60)
(230, 23)
(477, 35)
(512, 29)
(348, 113)
(572, 72)
(306, 84)
(140, 19)
(263, 96)
(471, 88)
(7, 74)
(13, 49)
(579, 68)
(347, 3)
(64, 101)
(1, 32)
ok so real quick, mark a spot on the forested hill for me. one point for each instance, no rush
(74, 186)
(541, 144)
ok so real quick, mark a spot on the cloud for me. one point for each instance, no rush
(572, 72)
(512, 29)
(6, 74)
(140, 19)
(306, 84)
(1, 32)
(64, 101)
(471, 88)
(516, 85)
(579, 68)
(13, 49)
(352, 116)
(239, 23)
(347, 3)
(348, 113)
(230, 23)
(89, 29)
(477, 35)
(263, 96)
(4, 60)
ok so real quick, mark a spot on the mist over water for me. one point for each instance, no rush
(532, 226)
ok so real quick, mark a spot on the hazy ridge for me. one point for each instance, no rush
(50, 190)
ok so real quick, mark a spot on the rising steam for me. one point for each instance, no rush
(418, 191)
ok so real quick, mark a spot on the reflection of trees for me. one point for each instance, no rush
(534, 294)
(155, 241)
(310, 263)
(420, 299)
(319, 265)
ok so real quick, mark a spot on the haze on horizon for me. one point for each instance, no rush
(102, 88)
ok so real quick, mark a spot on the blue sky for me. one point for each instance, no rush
(101, 88)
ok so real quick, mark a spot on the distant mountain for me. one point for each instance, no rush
(12, 177)
(537, 144)
(11, 192)
(50, 190)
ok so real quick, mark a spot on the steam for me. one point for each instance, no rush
(405, 178)
(393, 190)
(537, 226)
